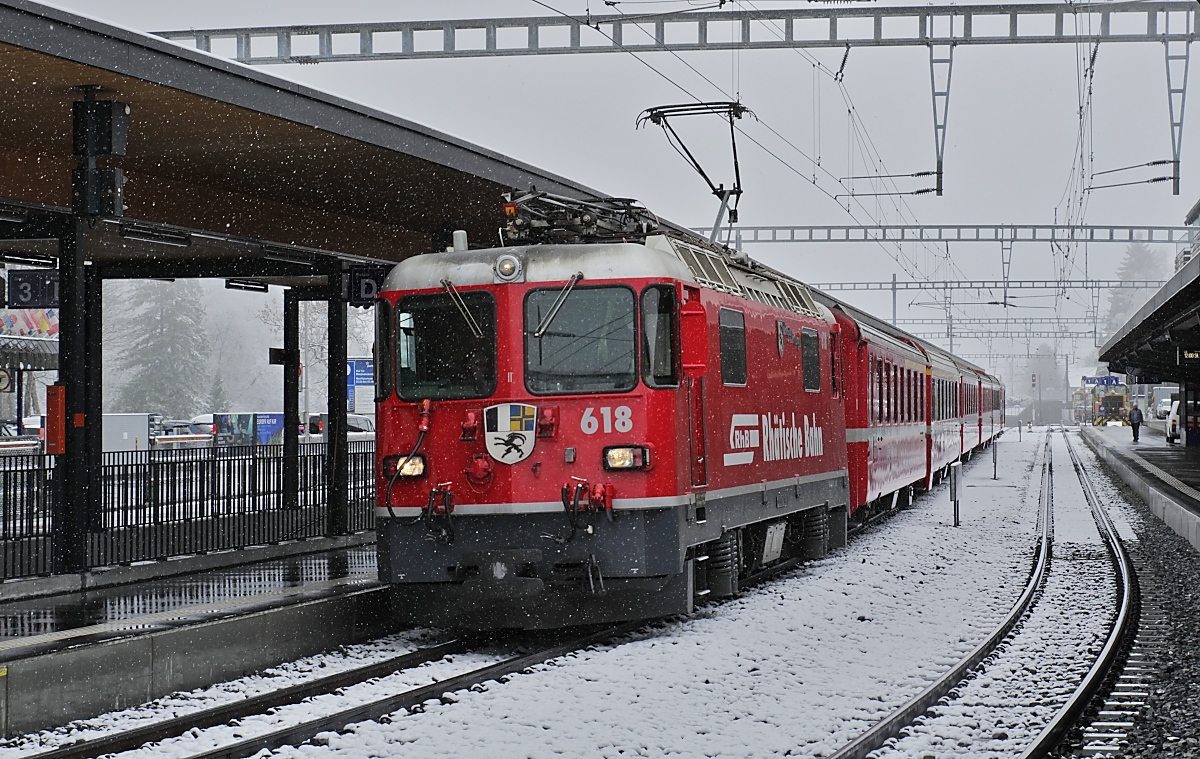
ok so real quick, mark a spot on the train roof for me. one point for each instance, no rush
(539, 263)
(863, 319)
(660, 256)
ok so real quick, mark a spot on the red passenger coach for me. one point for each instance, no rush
(610, 421)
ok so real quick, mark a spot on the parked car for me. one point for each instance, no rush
(1173, 432)
(1163, 409)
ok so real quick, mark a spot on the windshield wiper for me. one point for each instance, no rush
(457, 299)
(558, 303)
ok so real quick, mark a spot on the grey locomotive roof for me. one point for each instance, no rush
(540, 263)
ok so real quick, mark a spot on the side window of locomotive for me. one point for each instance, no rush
(733, 347)
(659, 341)
(439, 356)
(385, 351)
(810, 359)
(589, 344)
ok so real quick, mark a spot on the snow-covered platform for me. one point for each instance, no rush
(1167, 477)
(75, 655)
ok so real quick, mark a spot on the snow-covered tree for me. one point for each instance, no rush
(1141, 262)
(159, 348)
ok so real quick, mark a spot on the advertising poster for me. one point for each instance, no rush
(360, 386)
(29, 322)
(234, 429)
(269, 429)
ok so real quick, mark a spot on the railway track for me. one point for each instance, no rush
(1052, 734)
(300, 732)
(1124, 623)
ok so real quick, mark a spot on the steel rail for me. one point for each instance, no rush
(127, 740)
(1124, 625)
(890, 726)
(297, 734)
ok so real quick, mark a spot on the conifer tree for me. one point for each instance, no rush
(162, 350)
(1140, 262)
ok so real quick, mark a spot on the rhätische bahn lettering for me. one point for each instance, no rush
(783, 439)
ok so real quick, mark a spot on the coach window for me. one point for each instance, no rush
(887, 391)
(440, 357)
(385, 351)
(586, 346)
(810, 359)
(908, 392)
(908, 395)
(659, 364)
(894, 377)
(733, 347)
(879, 390)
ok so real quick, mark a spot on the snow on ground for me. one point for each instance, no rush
(794, 667)
(798, 665)
(1019, 689)
(275, 678)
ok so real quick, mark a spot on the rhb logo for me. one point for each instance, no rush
(743, 439)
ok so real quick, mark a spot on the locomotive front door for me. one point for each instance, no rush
(696, 430)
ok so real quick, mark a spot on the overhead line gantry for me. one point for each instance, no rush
(940, 29)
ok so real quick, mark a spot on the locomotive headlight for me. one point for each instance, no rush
(414, 466)
(508, 268)
(627, 457)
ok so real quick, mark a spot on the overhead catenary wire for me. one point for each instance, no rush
(907, 264)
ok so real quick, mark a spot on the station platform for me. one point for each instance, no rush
(146, 639)
(42, 624)
(1167, 477)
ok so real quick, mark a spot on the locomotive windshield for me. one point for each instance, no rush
(438, 356)
(589, 346)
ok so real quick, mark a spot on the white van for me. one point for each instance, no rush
(1173, 423)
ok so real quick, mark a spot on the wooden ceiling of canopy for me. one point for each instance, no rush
(218, 147)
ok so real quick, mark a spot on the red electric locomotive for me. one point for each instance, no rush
(610, 421)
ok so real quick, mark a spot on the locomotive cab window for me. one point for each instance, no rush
(588, 344)
(385, 351)
(659, 340)
(438, 355)
(733, 347)
(810, 357)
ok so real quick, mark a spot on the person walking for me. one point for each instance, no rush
(1135, 421)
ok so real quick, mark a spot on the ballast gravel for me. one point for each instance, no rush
(1018, 690)
(1169, 723)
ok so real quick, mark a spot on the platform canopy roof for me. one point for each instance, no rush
(218, 146)
(1148, 347)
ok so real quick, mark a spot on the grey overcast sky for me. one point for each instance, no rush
(1012, 135)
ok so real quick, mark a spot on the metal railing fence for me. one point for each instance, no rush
(160, 503)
